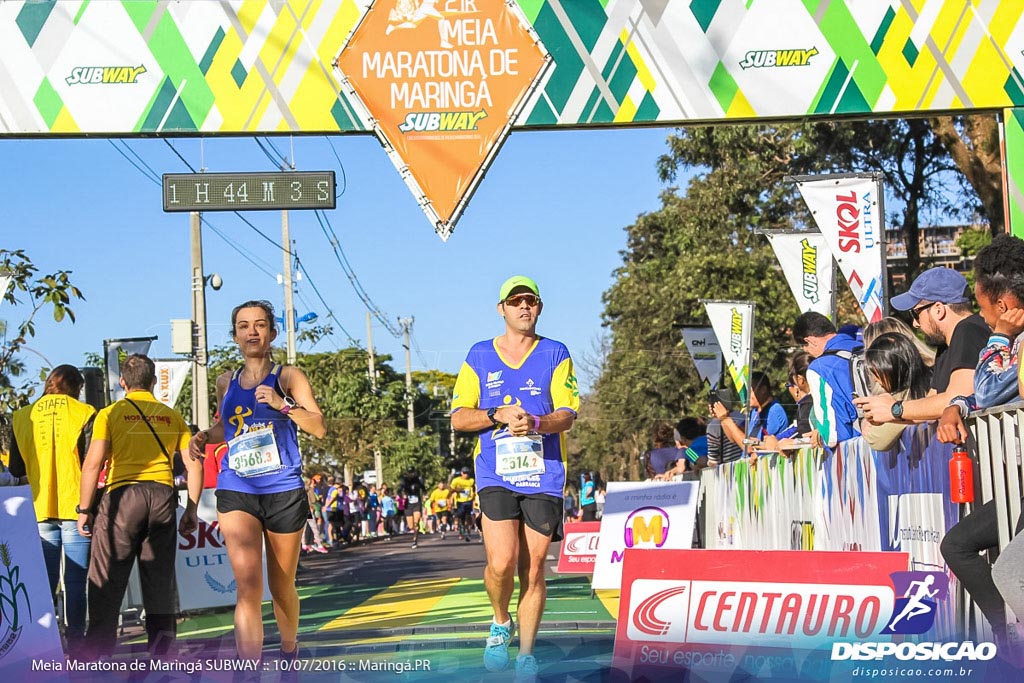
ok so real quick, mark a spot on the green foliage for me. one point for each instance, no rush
(973, 241)
(29, 293)
(703, 245)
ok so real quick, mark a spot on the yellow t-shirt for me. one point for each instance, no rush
(463, 488)
(134, 454)
(439, 500)
(47, 433)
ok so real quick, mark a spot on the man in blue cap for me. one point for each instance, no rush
(940, 307)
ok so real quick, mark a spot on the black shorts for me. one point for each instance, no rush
(411, 508)
(280, 513)
(540, 512)
(464, 511)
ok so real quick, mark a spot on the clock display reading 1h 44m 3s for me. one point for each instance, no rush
(249, 191)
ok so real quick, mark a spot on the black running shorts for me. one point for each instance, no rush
(280, 513)
(539, 511)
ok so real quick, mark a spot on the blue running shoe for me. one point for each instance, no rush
(496, 651)
(526, 669)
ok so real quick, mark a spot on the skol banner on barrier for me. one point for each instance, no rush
(733, 322)
(788, 615)
(848, 211)
(170, 377)
(579, 547)
(703, 346)
(115, 351)
(643, 514)
(441, 84)
(28, 626)
(809, 269)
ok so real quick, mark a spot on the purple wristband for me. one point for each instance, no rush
(536, 424)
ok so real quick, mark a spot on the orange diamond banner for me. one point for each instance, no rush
(441, 83)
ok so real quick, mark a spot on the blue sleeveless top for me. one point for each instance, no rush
(239, 413)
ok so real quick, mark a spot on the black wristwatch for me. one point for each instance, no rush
(897, 410)
(80, 511)
(490, 416)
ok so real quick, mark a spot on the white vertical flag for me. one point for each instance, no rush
(847, 210)
(116, 350)
(733, 322)
(703, 346)
(807, 264)
(170, 376)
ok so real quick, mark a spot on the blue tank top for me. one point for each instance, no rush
(240, 413)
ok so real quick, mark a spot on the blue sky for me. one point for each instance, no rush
(552, 206)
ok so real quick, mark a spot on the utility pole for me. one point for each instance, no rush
(406, 324)
(200, 391)
(378, 464)
(289, 307)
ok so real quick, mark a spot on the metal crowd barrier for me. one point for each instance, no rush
(995, 436)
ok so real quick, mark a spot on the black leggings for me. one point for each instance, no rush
(977, 532)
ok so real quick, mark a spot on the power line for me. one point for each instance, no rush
(339, 255)
(330, 313)
(341, 166)
(176, 152)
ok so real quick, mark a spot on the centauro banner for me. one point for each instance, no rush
(733, 322)
(441, 84)
(703, 346)
(847, 210)
(807, 264)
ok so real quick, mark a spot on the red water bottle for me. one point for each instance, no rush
(961, 476)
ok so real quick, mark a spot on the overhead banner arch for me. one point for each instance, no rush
(74, 67)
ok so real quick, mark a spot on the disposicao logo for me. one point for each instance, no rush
(101, 75)
(914, 613)
(760, 59)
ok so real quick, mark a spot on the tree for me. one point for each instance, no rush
(974, 145)
(53, 291)
(703, 245)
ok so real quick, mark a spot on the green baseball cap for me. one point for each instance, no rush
(517, 281)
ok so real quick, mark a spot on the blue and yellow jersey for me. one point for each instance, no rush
(543, 382)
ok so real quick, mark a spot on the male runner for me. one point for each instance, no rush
(518, 394)
(411, 484)
(439, 505)
(462, 489)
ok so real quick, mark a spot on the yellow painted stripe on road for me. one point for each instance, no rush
(610, 600)
(406, 603)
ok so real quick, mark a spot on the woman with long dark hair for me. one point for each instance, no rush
(895, 362)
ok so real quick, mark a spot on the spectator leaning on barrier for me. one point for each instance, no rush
(896, 365)
(938, 303)
(999, 289)
(829, 378)
(722, 449)
(691, 439)
(664, 454)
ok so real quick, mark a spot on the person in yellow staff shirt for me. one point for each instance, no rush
(440, 508)
(135, 517)
(464, 492)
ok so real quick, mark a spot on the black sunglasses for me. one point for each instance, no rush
(915, 313)
(517, 299)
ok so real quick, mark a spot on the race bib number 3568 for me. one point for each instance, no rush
(254, 453)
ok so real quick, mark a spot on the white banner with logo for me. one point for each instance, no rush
(643, 514)
(115, 351)
(733, 322)
(170, 377)
(28, 625)
(807, 263)
(703, 346)
(847, 210)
